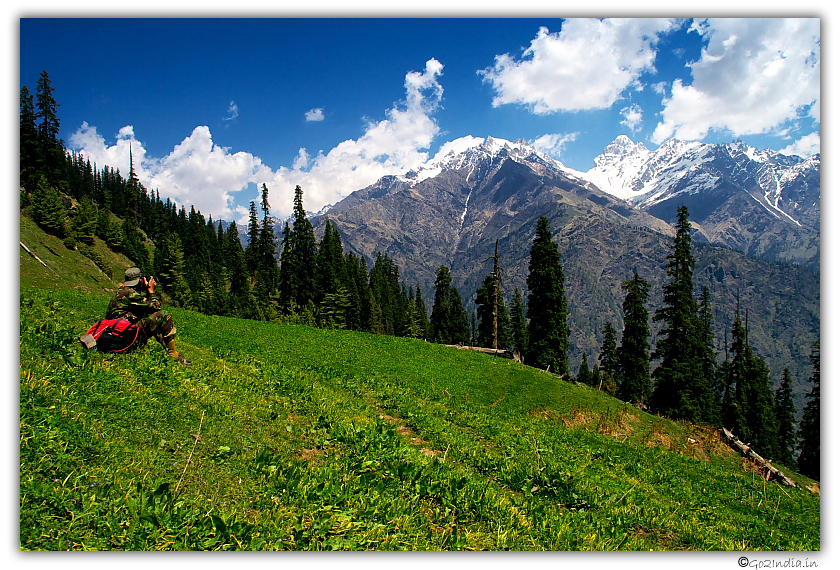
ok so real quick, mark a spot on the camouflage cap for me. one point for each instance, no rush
(133, 275)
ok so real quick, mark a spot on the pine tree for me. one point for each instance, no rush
(505, 326)
(332, 312)
(677, 349)
(405, 309)
(519, 326)
(706, 389)
(329, 263)
(785, 418)
(267, 265)
(458, 319)
(634, 351)
(386, 293)
(285, 278)
(420, 316)
(239, 300)
(84, 222)
(170, 269)
(548, 330)
(439, 321)
(28, 141)
(197, 257)
(595, 376)
(50, 147)
(449, 322)
(297, 262)
(753, 414)
(809, 427)
(584, 376)
(356, 283)
(608, 357)
(114, 235)
(48, 209)
(252, 250)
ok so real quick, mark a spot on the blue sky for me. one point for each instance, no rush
(214, 108)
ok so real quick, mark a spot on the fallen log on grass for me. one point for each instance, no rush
(495, 352)
(770, 473)
(29, 251)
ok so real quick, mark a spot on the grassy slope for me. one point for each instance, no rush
(287, 437)
(66, 269)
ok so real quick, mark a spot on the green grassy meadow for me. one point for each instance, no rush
(286, 437)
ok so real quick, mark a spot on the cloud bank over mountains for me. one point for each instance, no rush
(753, 76)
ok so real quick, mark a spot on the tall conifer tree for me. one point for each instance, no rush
(267, 265)
(357, 284)
(252, 250)
(608, 357)
(239, 301)
(809, 427)
(706, 389)
(679, 377)
(449, 322)
(548, 330)
(753, 414)
(785, 419)
(421, 316)
(171, 270)
(297, 262)
(28, 141)
(518, 324)
(50, 147)
(584, 376)
(329, 267)
(634, 351)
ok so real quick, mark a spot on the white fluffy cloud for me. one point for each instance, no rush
(316, 114)
(808, 145)
(391, 146)
(199, 173)
(632, 117)
(196, 173)
(587, 65)
(553, 144)
(92, 145)
(754, 76)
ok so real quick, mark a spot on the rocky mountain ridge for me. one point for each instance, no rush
(452, 211)
(760, 202)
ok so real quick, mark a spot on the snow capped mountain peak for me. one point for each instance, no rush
(646, 178)
(622, 149)
(471, 152)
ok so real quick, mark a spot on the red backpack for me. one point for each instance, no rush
(115, 335)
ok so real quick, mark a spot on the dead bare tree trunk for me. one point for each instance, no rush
(770, 472)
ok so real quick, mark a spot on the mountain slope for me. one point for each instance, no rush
(452, 213)
(760, 202)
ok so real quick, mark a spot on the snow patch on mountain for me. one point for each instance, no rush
(644, 178)
(474, 153)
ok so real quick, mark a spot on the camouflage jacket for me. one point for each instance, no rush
(132, 304)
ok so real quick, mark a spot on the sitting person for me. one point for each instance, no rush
(137, 302)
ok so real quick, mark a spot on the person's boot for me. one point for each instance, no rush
(88, 341)
(173, 352)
